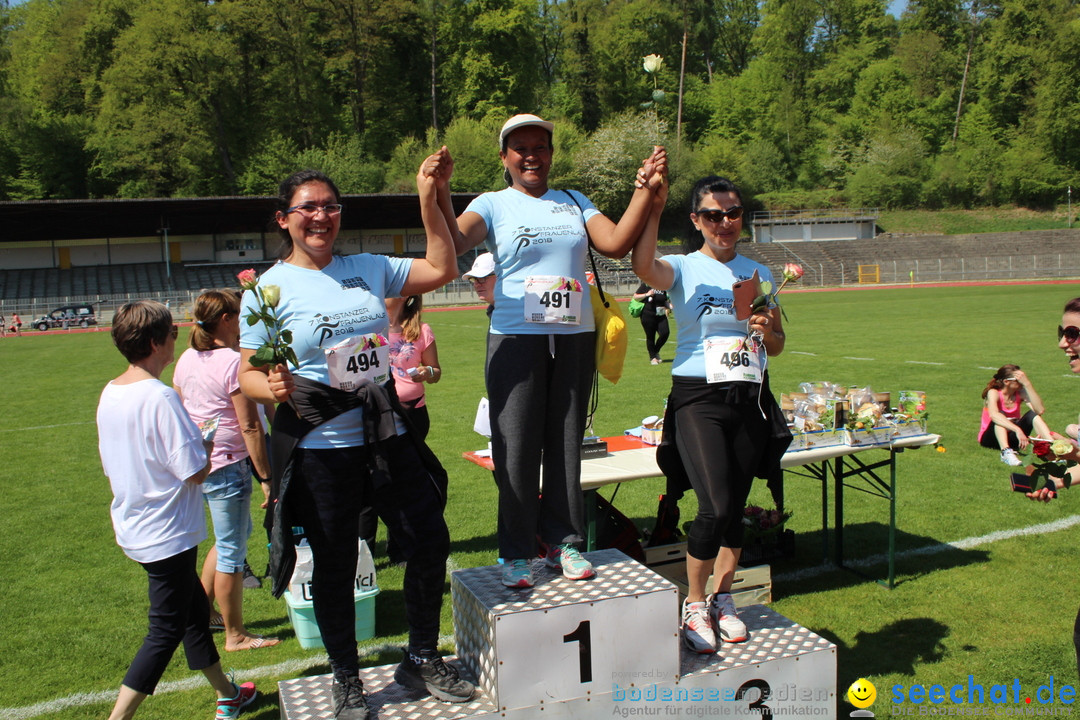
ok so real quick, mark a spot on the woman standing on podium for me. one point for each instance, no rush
(719, 430)
(339, 439)
(541, 344)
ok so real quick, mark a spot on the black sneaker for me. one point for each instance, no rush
(251, 580)
(349, 700)
(434, 676)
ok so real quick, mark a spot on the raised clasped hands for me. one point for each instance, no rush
(653, 172)
(436, 170)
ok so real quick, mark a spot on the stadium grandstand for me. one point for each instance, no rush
(104, 252)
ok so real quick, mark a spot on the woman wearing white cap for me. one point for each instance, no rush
(541, 343)
(482, 277)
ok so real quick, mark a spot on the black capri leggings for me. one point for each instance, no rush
(1026, 423)
(721, 445)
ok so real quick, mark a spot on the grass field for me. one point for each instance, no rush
(999, 608)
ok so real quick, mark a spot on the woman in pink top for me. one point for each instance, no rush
(1004, 426)
(206, 379)
(414, 358)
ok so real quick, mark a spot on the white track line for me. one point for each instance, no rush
(848, 357)
(799, 352)
(289, 667)
(46, 427)
(965, 544)
(922, 362)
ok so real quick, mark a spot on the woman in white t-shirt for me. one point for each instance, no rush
(721, 417)
(206, 379)
(541, 344)
(155, 459)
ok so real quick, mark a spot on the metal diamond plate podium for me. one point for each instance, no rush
(597, 648)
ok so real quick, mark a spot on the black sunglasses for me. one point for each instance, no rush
(717, 216)
(1071, 333)
(175, 332)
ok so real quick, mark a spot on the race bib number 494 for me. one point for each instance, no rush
(552, 299)
(366, 357)
(732, 359)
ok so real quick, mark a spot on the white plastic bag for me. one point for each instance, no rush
(300, 583)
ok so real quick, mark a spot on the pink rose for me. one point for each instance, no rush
(792, 271)
(248, 279)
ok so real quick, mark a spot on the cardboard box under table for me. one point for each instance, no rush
(750, 586)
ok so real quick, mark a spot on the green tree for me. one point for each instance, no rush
(486, 75)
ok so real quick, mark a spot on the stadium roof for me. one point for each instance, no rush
(80, 219)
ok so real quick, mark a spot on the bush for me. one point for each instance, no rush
(607, 161)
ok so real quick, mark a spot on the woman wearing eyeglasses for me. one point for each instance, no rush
(155, 459)
(720, 429)
(1005, 426)
(541, 343)
(340, 441)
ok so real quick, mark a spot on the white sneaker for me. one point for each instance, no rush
(1008, 456)
(697, 630)
(725, 622)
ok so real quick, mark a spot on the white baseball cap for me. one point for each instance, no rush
(482, 266)
(519, 121)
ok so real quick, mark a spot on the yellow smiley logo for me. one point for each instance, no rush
(862, 693)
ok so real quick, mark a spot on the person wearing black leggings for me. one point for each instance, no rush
(654, 319)
(720, 412)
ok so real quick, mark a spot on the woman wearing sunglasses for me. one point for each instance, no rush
(1005, 426)
(720, 427)
(1069, 342)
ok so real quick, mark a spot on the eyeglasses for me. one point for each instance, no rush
(717, 216)
(175, 332)
(309, 210)
(1071, 333)
(479, 281)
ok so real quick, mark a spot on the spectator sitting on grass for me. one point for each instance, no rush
(1003, 427)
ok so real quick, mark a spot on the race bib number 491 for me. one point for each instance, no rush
(366, 357)
(552, 299)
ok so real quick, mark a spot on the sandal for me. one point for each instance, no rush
(255, 642)
(216, 621)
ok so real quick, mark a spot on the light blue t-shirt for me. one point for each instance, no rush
(703, 304)
(322, 308)
(531, 236)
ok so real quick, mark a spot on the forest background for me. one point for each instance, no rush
(805, 103)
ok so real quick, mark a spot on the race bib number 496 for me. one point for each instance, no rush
(730, 359)
(366, 357)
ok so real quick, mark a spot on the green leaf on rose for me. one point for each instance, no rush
(263, 356)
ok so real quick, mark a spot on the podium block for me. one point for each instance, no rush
(565, 639)
(782, 670)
